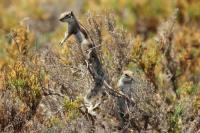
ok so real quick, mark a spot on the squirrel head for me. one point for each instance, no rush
(67, 16)
(126, 78)
(127, 73)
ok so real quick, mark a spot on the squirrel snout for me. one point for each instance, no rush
(61, 19)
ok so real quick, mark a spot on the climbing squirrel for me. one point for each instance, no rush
(89, 53)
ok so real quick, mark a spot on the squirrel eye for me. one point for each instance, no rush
(126, 75)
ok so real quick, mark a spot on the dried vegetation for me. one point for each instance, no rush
(42, 85)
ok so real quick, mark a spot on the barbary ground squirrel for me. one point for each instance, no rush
(88, 49)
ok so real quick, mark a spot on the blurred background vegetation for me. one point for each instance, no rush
(34, 23)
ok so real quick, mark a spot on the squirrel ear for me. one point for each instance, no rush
(72, 13)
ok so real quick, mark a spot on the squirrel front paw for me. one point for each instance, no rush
(61, 43)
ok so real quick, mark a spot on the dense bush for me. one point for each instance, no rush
(42, 85)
